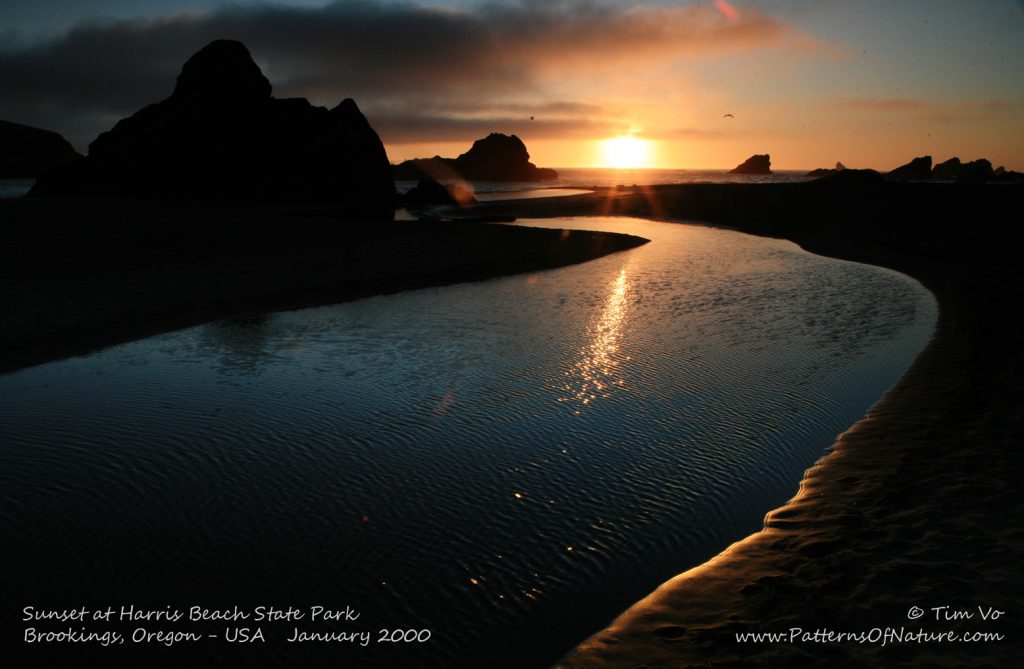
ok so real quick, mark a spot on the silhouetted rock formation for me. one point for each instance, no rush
(500, 157)
(496, 157)
(975, 172)
(949, 169)
(27, 152)
(428, 191)
(917, 169)
(824, 171)
(221, 134)
(756, 164)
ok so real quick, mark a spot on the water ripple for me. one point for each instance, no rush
(513, 459)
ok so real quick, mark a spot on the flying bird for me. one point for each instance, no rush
(728, 116)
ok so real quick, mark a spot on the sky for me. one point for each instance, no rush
(870, 83)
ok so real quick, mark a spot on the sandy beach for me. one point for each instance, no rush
(917, 505)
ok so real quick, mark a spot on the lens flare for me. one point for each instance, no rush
(727, 10)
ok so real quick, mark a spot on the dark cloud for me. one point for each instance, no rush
(379, 53)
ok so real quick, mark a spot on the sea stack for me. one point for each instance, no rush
(756, 164)
(28, 152)
(496, 157)
(221, 134)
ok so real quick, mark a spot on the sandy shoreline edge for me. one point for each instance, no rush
(917, 504)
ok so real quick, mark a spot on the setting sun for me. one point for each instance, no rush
(625, 152)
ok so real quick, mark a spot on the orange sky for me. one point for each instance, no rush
(871, 83)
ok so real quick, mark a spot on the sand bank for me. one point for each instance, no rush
(918, 504)
(80, 274)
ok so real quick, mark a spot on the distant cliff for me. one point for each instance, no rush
(221, 134)
(27, 152)
(496, 157)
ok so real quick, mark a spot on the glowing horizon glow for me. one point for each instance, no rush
(625, 152)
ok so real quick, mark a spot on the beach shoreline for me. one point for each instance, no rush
(914, 505)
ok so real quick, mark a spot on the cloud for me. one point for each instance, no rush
(380, 53)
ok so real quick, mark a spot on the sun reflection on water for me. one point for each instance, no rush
(595, 371)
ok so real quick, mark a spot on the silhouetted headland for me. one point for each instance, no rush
(756, 164)
(221, 134)
(27, 152)
(496, 157)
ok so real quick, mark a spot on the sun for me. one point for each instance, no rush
(625, 152)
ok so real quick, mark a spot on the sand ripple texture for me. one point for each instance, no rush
(507, 463)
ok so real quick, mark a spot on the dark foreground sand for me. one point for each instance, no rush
(918, 504)
(80, 274)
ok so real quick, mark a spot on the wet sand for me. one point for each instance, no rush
(77, 275)
(918, 504)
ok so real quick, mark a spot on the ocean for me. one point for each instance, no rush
(568, 177)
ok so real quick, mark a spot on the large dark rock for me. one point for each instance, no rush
(917, 169)
(496, 157)
(221, 134)
(949, 169)
(27, 152)
(975, 172)
(756, 164)
(500, 157)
